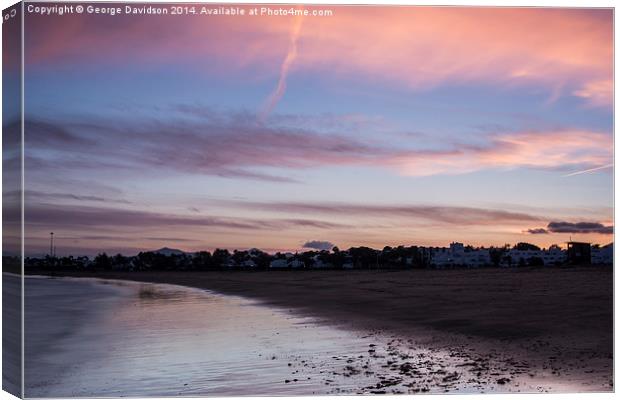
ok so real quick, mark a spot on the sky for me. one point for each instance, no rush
(373, 126)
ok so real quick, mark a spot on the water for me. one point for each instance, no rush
(95, 338)
(85, 338)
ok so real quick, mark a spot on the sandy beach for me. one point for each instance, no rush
(544, 323)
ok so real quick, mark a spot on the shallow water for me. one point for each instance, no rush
(95, 338)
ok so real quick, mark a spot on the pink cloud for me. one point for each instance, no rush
(544, 150)
(597, 93)
(424, 47)
(563, 51)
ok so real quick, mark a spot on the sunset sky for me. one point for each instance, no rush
(375, 126)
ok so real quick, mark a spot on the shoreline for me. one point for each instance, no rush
(555, 320)
(56, 320)
(309, 291)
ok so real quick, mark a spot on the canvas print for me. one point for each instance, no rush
(211, 199)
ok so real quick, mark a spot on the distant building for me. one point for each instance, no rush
(579, 253)
(458, 255)
(229, 263)
(279, 263)
(319, 263)
(517, 257)
(603, 255)
(248, 264)
(477, 257)
(554, 256)
(286, 263)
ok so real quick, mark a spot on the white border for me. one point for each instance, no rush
(485, 3)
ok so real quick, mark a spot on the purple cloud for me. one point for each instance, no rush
(69, 217)
(318, 245)
(580, 227)
(537, 231)
(224, 146)
(444, 214)
(40, 196)
(234, 145)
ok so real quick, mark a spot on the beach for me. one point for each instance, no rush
(89, 337)
(539, 329)
(101, 338)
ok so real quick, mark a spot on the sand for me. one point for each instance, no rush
(549, 322)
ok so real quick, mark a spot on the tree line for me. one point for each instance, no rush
(222, 259)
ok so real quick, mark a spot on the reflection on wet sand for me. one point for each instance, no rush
(135, 339)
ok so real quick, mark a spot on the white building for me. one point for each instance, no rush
(477, 258)
(515, 257)
(279, 263)
(603, 255)
(458, 255)
(554, 256)
(286, 263)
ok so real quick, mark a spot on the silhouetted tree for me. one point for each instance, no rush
(102, 261)
(337, 257)
(220, 257)
(535, 262)
(202, 261)
(496, 254)
(526, 246)
(364, 257)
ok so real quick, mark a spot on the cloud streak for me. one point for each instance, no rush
(231, 148)
(441, 214)
(69, 217)
(291, 54)
(585, 171)
(40, 196)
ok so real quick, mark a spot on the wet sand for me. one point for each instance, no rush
(100, 338)
(541, 330)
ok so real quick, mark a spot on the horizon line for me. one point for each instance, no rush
(301, 250)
